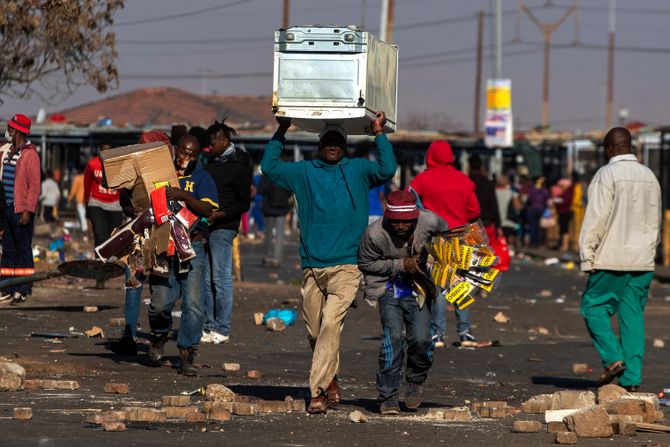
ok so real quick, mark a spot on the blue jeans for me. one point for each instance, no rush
(131, 308)
(438, 323)
(219, 297)
(400, 314)
(165, 291)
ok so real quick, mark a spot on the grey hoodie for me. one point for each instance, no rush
(380, 256)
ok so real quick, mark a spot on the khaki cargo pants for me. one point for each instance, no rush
(327, 294)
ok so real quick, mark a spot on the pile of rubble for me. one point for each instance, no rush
(581, 414)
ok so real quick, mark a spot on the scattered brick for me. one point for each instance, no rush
(457, 414)
(254, 374)
(566, 437)
(31, 384)
(175, 401)
(298, 405)
(218, 414)
(106, 416)
(12, 376)
(90, 309)
(67, 385)
(141, 414)
(564, 400)
(357, 416)
(498, 413)
(526, 427)
(231, 366)
(435, 413)
(258, 318)
(23, 413)
(179, 412)
(556, 426)
(649, 397)
(117, 388)
(215, 391)
(114, 426)
(209, 406)
(590, 422)
(195, 417)
(245, 409)
(618, 418)
(537, 404)
(274, 406)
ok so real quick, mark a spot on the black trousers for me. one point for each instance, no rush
(103, 222)
(398, 314)
(17, 250)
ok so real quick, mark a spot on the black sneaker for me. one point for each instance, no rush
(186, 366)
(389, 407)
(18, 298)
(468, 337)
(156, 348)
(413, 395)
(125, 345)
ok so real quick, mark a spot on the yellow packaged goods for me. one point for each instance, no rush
(461, 263)
(140, 168)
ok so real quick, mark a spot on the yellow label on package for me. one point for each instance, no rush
(465, 257)
(458, 291)
(161, 184)
(439, 275)
(491, 274)
(487, 261)
(464, 302)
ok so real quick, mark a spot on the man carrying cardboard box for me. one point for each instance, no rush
(184, 280)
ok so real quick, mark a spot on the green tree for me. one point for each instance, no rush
(51, 47)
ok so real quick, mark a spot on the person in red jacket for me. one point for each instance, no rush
(450, 194)
(21, 182)
(102, 204)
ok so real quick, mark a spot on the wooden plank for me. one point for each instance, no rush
(652, 428)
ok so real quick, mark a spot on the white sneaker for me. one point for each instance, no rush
(218, 338)
(205, 338)
(6, 296)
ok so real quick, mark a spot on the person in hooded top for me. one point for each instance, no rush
(450, 194)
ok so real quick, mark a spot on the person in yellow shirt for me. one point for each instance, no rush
(578, 209)
(77, 194)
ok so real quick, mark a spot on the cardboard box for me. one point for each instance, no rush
(140, 168)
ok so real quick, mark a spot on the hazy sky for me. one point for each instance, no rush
(239, 39)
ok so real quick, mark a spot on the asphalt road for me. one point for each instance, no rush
(530, 361)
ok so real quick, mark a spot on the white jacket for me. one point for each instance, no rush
(622, 224)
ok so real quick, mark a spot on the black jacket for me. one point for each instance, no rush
(276, 200)
(232, 176)
(485, 190)
(2, 206)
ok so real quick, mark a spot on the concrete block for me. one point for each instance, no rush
(12, 376)
(633, 407)
(564, 400)
(557, 415)
(537, 404)
(217, 392)
(610, 392)
(624, 428)
(592, 422)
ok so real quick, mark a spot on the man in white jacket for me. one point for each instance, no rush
(617, 248)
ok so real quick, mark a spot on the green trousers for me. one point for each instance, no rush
(610, 292)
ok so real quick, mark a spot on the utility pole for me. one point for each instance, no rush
(386, 20)
(363, 7)
(478, 73)
(547, 30)
(498, 72)
(287, 7)
(610, 66)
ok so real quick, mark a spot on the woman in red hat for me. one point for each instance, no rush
(21, 181)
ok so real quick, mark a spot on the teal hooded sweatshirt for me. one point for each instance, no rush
(333, 200)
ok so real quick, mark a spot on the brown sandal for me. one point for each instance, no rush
(611, 372)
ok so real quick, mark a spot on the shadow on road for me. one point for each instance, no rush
(54, 308)
(564, 382)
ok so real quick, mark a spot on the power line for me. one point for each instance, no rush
(183, 14)
(258, 74)
(194, 41)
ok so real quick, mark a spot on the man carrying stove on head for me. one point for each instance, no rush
(388, 258)
(184, 280)
(332, 194)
